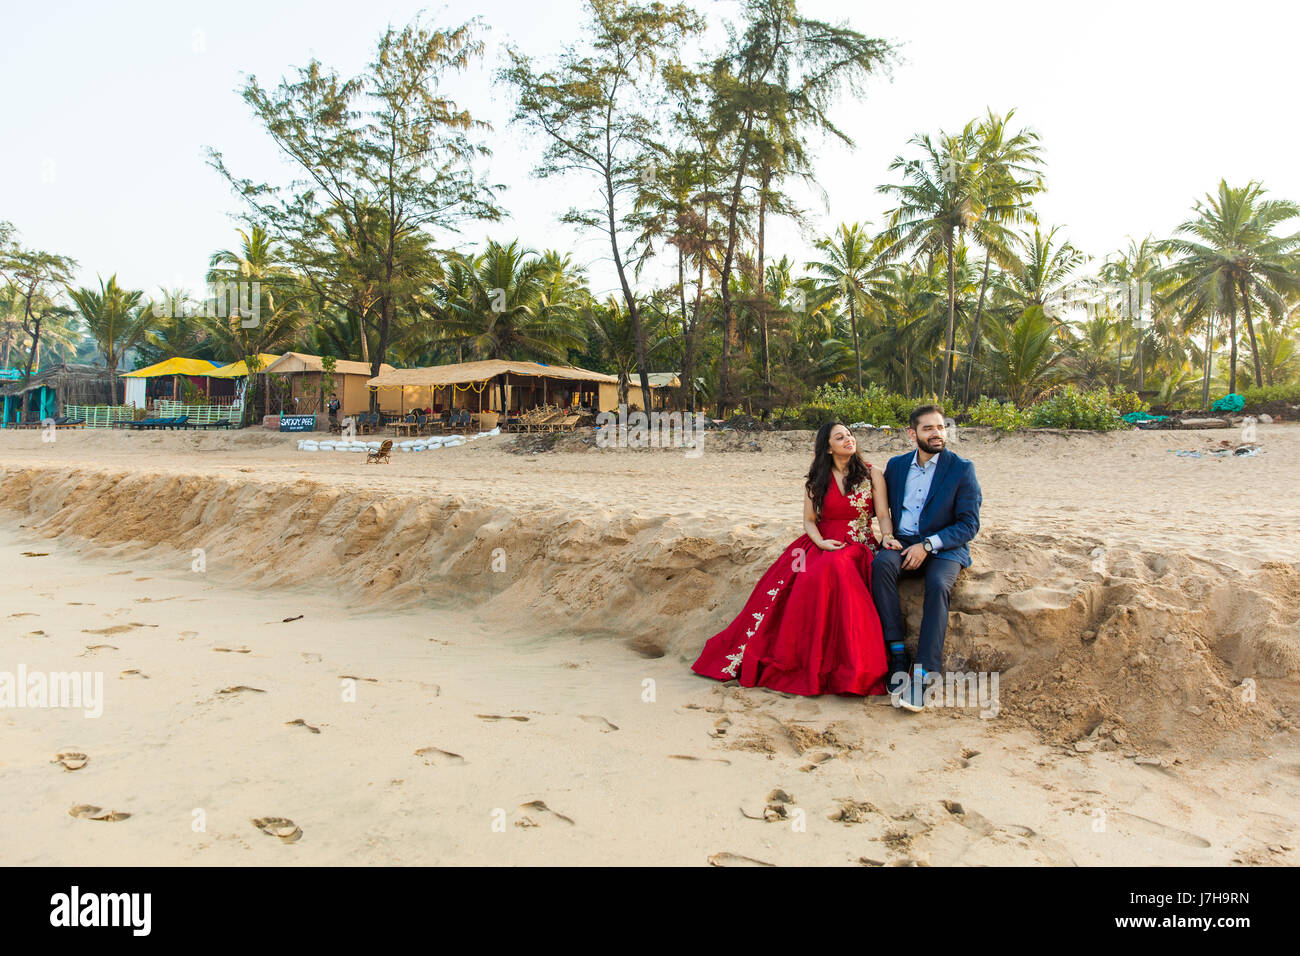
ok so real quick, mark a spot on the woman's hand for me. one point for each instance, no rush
(892, 543)
(830, 544)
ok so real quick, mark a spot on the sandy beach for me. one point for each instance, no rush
(481, 655)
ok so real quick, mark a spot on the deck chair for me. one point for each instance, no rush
(380, 453)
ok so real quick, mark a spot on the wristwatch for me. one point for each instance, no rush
(929, 547)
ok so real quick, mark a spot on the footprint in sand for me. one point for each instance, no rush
(132, 673)
(701, 759)
(24, 614)
(185, 634)
(853, 811)
(302, 723)
(816, 760)
(1135, 823)
(240, 688)
(538, 808)
(435, 757)
(92, 649)
(70, 759)
(501, 717)
(115, 629)
(232, 650)
(368, 680)
(36, 554)
(735, 859)
(282, 827)
(113, 574)
(86, 811)
(36, 634)
(600, 722)
(81, 604)
(311, 657)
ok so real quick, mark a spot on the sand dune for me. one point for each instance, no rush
(1132, 601)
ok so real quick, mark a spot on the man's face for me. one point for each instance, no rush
(929, 433)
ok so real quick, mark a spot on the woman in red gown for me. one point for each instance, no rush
(810, 626)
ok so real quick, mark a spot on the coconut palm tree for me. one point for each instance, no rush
(938, 201)
(852, 270)
(1008, 175)
(115, 319)
(1134, 272)
(1230, 254)
(1024, 356)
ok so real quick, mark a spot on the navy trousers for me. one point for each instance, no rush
(940, 575)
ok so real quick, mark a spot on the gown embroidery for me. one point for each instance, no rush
(821, 633)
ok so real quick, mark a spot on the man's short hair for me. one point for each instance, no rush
(922, 410)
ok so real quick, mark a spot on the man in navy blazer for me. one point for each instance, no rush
(934, 512)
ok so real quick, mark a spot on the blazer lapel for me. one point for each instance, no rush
(896, 483)
(940, 472)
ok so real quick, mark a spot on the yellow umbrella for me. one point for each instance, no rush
(175, 366)
(240, 369)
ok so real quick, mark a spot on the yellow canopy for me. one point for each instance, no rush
(240, 369)
(174, 366)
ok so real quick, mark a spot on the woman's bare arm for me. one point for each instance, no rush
(810, 526)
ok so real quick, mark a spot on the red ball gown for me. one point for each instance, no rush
(810, 626)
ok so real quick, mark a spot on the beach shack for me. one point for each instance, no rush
(52, 389)
(162, 380)
(486, 387)
(660, 385)
(305, 373)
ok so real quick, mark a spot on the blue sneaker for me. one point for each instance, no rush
(912, 696)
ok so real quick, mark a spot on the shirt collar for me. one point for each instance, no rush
(916, 455)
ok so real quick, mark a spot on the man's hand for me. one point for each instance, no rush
(913, 556)
(830, 544)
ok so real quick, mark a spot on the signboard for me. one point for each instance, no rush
(297, 423)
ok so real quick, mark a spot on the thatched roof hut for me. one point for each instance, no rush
(51, 389)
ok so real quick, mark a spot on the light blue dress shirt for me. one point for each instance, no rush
(915, 490)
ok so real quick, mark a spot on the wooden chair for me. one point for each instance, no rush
(380, 453)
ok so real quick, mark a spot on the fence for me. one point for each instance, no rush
(199, 414)
(100, 416)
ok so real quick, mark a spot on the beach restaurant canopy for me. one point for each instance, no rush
(136, 385)
(524, 385)
(240, 369)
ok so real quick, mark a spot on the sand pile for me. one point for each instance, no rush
(1096, 642)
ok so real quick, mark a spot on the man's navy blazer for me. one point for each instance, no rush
(951, 510)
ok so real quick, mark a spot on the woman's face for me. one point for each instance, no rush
(841, 441)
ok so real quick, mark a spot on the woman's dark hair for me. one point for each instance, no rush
(819, 472)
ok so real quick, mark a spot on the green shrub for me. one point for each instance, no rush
(1071, 408)
(1126, 402)
(1003, 416)
(1272, 393)
(875, 406)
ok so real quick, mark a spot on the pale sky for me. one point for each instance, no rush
(1142, 107)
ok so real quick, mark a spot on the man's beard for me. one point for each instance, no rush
(931, 447)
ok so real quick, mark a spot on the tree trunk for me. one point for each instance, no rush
(724, 369)
(1232, 332)
(975, 332)
(1254, 343)
(1209, 363)
(857, 350)
(633, 313)
(952, 319)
